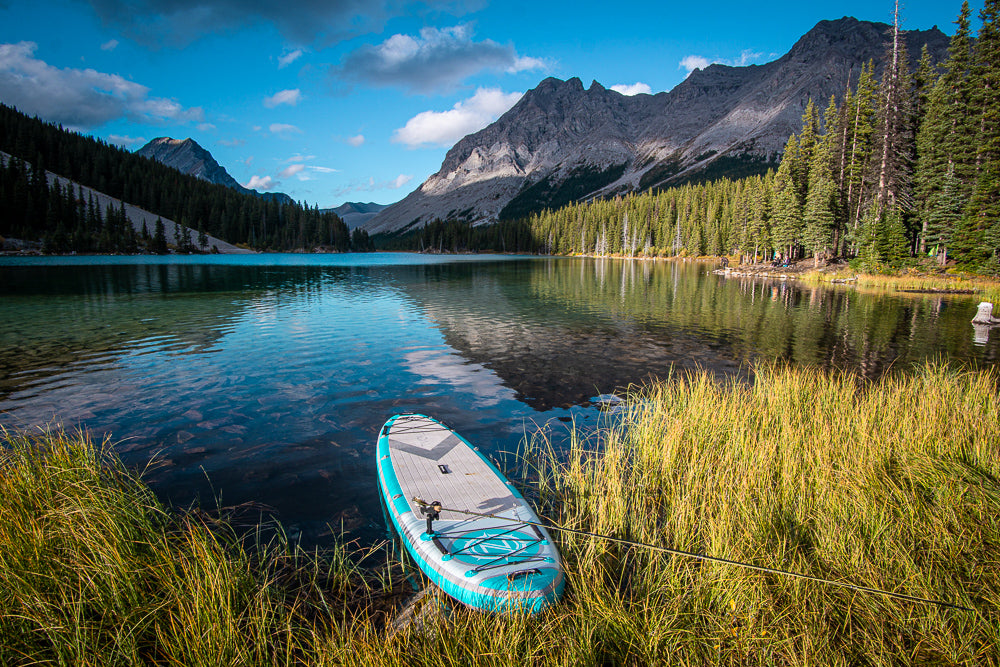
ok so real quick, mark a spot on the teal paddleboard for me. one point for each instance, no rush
(497, 563)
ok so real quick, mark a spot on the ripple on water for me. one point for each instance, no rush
(269, 382)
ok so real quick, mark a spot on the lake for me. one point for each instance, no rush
(265, 378)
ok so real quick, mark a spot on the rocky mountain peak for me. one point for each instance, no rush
(561, 142)
(189, 157)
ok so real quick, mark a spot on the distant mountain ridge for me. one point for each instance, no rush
(562, 143)
(189, 157)
(356, 214)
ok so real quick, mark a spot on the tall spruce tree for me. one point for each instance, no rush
(945, 145)
(983, 212)
(862, 119)
(894, 134)
(787, 207)
(819, 217)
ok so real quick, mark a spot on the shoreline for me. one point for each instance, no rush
(905, 508)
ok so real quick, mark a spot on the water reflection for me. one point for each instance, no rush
(266, 378)
(560, 331)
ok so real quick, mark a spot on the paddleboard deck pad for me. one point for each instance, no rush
(494, 563)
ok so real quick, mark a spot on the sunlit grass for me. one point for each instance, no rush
(988, 289)
(893, 484)
(94, 570)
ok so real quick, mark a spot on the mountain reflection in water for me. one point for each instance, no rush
(265, 378)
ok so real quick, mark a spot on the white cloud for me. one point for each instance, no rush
(439, 59)
(301, 171)
(261, 183)
(288, 58)
(109, 45)
(291, 170)
(80, 98)
(283, 128)
(746, 57)
(125, 140)
(206, 127)
(356, 140)
(290, 97)
(231, 142)
(524, 64)
(371, 185)
(444, 128)
(633, 88)
(691, 63)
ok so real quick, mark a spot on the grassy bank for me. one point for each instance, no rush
(894, 485)
(987, 289)
(95, 571)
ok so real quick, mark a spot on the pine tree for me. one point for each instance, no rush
(946, 149)
(787, 207)
(802, 159)
(924, 80)
(818, 218)
(983, 212)
(943, 213)
(159, 238)
(862, 126)
(895, 126)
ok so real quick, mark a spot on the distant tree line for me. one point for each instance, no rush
(454, 236)
(905, 167)
(62, 218)
(30, 209)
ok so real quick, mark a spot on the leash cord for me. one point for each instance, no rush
(714, 559)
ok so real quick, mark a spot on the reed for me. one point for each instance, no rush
(988, 289)
(893, 484)
(95, 571)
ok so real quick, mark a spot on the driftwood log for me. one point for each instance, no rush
(985, 315)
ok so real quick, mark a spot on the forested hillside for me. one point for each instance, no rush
(31, 209)
(896, 169)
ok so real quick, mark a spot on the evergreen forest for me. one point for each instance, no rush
(897, 171)
(64, 220)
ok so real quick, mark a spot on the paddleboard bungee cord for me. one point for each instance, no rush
(437, 508)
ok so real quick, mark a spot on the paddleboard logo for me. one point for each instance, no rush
(484, 546)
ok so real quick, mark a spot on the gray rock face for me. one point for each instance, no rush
(562, 142)
(355, 214)
(188, 157)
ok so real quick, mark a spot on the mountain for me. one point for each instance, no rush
(188, 157)
(561, 142)
(70, 224)
(355, 214)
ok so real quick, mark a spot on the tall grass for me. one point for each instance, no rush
(893, 485)
(95, 571)
(988, 289)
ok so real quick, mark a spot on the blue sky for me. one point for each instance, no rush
(359, 100)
